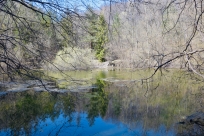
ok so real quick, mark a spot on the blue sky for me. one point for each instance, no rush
(76, 4)
(81, 4)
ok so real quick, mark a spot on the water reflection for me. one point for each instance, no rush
(98, 102)
(114, 108)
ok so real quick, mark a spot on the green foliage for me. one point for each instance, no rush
(98, 34)
(34, 39)
(99, 100)
(100, 53)
(101, 38)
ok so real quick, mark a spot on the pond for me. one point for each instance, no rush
(111, 103)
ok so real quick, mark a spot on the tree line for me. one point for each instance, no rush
(140, 34)
(32, 33)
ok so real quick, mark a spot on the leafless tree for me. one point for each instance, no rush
(185, 18)
(165, 33)
(32, 32)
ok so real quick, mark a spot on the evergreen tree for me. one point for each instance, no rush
(101, 38)
(92, 26)
(98, 36)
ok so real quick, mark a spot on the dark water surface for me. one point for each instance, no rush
(116, 103)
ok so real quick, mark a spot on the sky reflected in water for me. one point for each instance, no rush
(114, 108)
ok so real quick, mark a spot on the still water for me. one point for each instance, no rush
(111, 103)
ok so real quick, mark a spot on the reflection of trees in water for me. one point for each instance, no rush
(98, 102)
(119, 101)
(22, 112)
(67, 105)
(165, 105)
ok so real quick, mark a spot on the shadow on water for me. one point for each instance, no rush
(115, 107)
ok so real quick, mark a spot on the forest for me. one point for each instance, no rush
(59, 35)
(101, 67)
